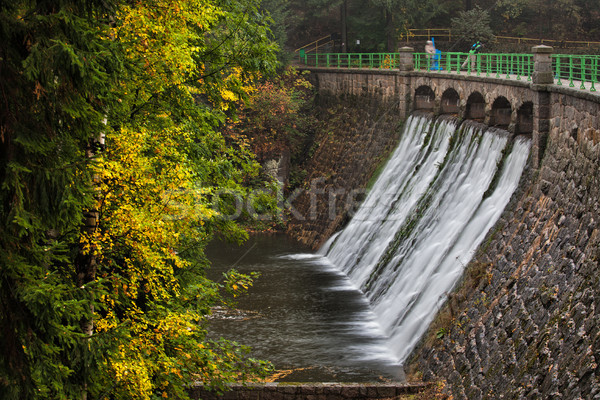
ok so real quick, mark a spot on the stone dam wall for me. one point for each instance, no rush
(525, 320)
(358, 131)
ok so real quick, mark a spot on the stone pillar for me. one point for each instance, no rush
(406, 62)
(542, 65)
(406, 65)
(542, 76)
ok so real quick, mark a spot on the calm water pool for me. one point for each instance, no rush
(302, 314)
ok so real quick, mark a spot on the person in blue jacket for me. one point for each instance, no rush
(433, 54)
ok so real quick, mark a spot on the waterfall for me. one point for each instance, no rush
(407, 245)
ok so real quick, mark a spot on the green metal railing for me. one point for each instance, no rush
(352, 60)
(577, 71)
(497, 65)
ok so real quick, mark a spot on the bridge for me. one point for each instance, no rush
(526, 94)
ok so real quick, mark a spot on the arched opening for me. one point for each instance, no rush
(525, 119)
(501, 113)
(475, 107)
(450, 102)
(424, 98)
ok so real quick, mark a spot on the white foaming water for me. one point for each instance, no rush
(432, 206)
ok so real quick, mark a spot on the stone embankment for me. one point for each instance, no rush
(357, 135)
(312, 391)
(525, 322)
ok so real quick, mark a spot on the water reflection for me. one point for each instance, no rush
(302, 314)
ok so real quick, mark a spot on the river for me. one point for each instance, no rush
(357, 309)
(302, 314)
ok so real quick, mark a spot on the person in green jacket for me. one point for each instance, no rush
(474, 50)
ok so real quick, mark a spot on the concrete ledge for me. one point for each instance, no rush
(361, 71)
(309, 391)
(473, 77)
(573, 92)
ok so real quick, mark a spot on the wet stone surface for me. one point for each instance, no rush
(531, 328)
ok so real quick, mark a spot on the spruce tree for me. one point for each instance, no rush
(56, 71)
(102, 292)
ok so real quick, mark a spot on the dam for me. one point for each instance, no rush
(522, 321)
(443, 189)
(354, 310)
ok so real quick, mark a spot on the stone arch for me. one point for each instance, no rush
(501, 113)
(525, 118)
(450, 102)
(475, 107)
(424, 98)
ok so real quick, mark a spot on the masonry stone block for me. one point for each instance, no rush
(350, 392)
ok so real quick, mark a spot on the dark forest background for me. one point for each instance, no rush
(383, 25)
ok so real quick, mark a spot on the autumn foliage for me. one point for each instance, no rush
(274, 119)
(111, 154)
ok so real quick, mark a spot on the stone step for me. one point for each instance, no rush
(310, 391)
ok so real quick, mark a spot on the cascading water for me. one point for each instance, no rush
(407, 245)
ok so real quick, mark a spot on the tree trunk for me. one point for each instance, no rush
(390, 31)
(86, 262)
(343, 23)
(86, 271)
